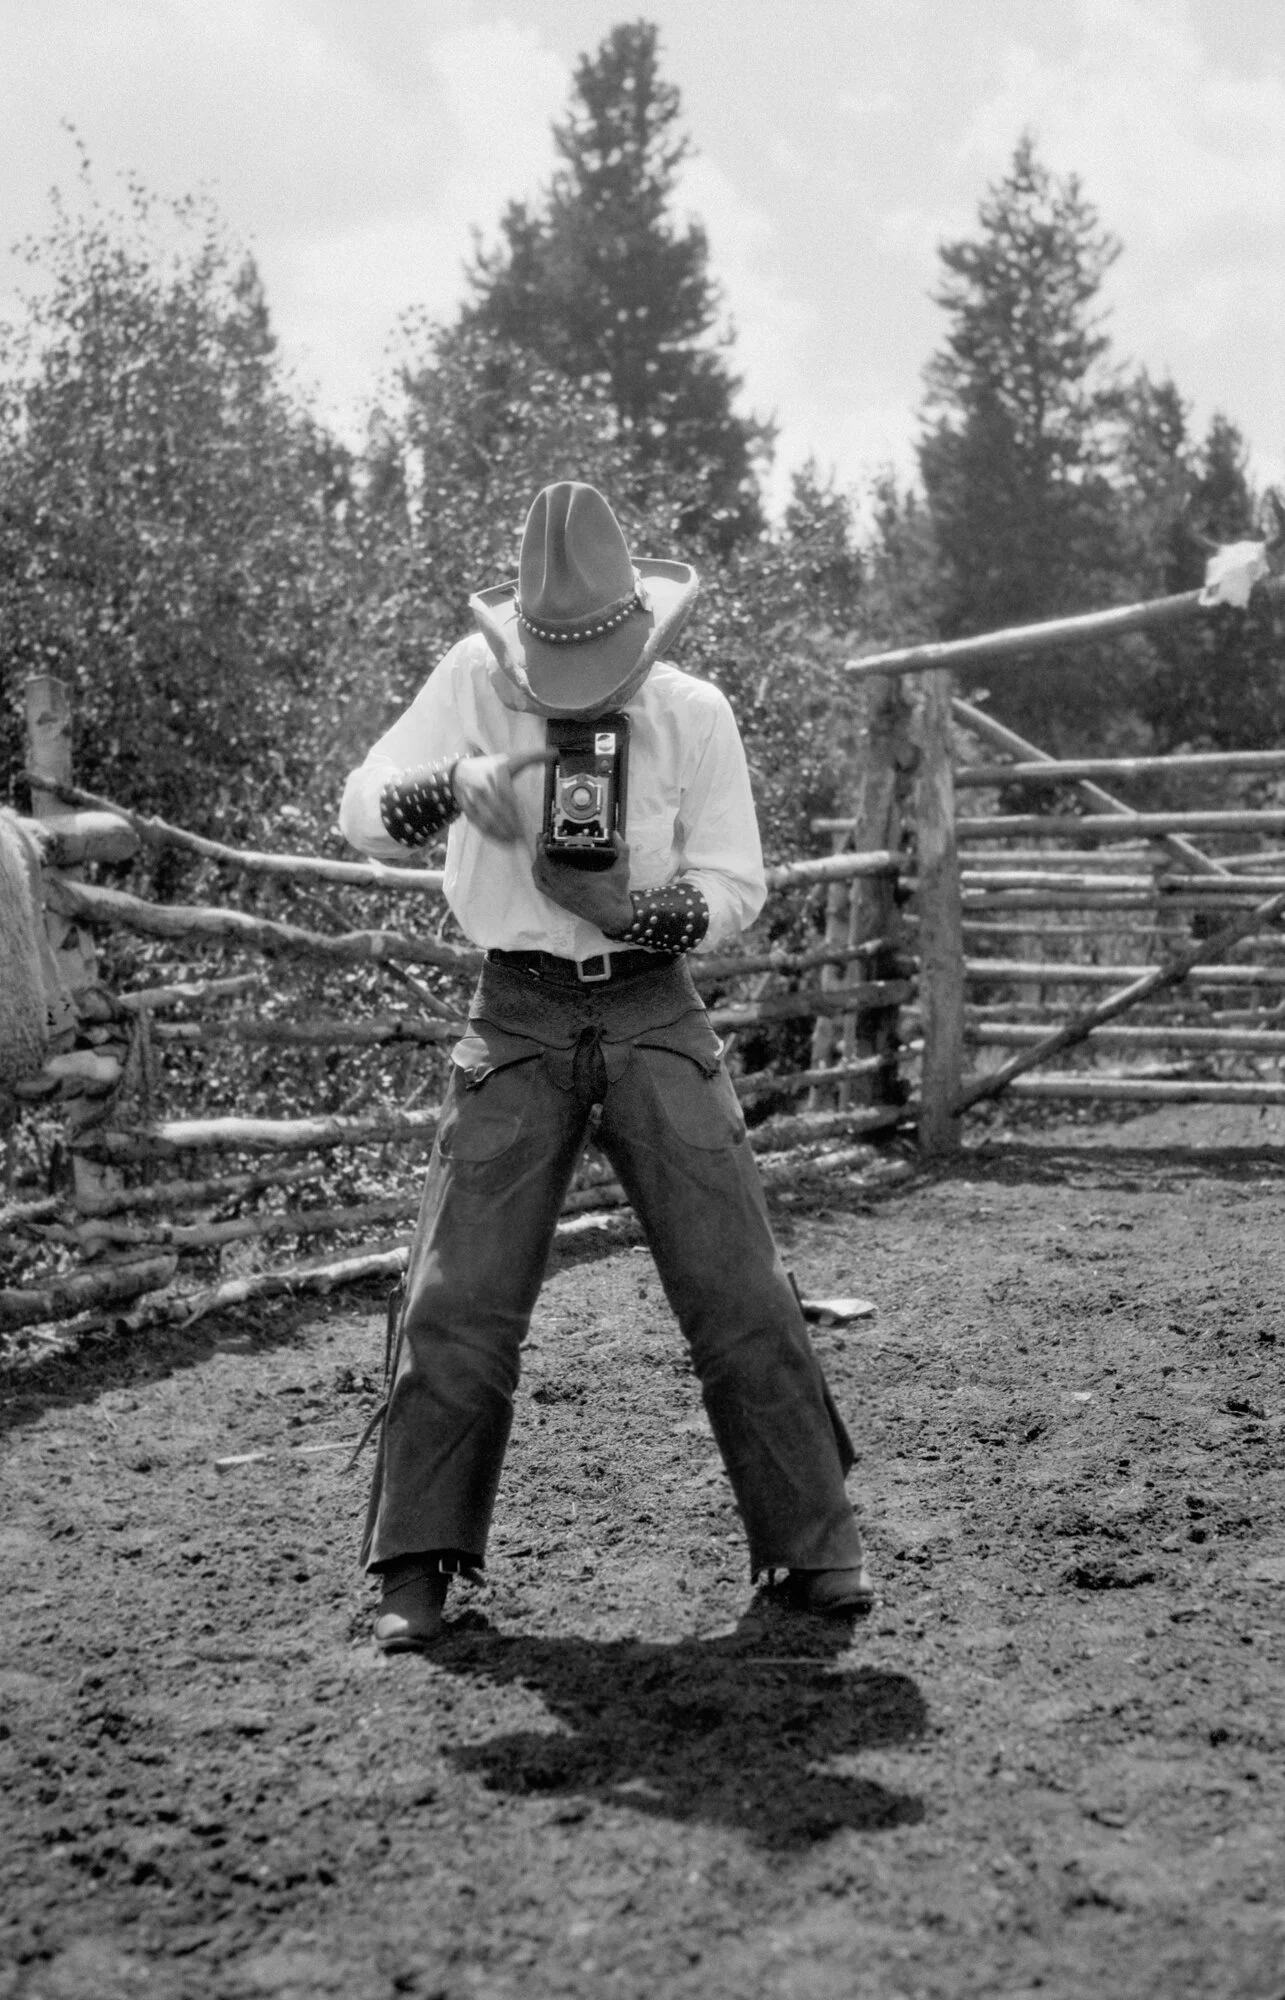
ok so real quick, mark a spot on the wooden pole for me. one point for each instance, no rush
(825, 1028)
(1063, 770)
(201, 923)
(887, 760)
(990, 731)
(1250, 1041)
(1115, 826)
(1041, 638)
(49, 754)
(1064, 972)
(1149, 1090)
(1078, 1027)
(941, 947)
(299, 867)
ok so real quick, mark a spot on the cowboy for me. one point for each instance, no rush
(586, 1009)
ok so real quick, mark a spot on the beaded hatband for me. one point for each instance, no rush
(574, 631)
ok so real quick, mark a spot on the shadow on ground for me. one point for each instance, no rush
(742, 1730)
(1095, 1162)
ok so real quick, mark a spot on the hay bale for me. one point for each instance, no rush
(36, 1011)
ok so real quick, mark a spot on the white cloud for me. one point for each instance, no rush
(1181, 148)
(354, 155)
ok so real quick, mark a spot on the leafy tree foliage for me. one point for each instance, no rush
(172, 527)
(602, 284)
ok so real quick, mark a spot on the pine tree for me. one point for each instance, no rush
(1019, 418)
(601, 282)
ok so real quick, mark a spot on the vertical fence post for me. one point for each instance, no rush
(866, 909)
(48, 729)
(941, 937)
(874, 911)
(838, 903)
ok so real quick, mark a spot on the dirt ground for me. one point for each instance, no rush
(1052, 1761)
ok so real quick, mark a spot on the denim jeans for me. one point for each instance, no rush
(525, 1079)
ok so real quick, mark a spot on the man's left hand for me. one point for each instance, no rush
(599, 895)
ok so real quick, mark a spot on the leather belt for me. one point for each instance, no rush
(602, 968)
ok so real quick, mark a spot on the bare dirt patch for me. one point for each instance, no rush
(1052, 1761)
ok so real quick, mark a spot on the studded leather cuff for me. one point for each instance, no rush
(416, 805)
(675, 918)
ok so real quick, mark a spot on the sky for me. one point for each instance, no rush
(355, 145)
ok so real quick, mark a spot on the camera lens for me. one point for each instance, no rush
(581, 798)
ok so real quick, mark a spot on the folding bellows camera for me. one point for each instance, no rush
(584, 789)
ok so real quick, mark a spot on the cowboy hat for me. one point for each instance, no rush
(583, 624)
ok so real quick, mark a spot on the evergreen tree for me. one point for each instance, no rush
(1217, 683)
(602, 283)
(1019, 416)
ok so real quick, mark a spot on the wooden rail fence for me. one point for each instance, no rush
(945, 948)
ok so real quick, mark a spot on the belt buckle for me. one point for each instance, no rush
(602, 958)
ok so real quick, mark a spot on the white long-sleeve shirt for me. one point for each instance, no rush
(689, 808)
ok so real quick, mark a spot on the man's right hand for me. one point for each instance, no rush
(484, 792)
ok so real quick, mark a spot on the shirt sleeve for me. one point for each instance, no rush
(721, 850)
(433, 730)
